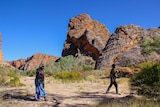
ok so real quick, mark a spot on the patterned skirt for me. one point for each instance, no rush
(39, 89)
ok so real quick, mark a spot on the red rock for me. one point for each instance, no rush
(33, 61)
(85, 36)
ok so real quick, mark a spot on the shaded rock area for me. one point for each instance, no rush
(85, 37)
(32, 62)
(124, 47)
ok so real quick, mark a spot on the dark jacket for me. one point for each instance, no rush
(39, 76)
(113, 75)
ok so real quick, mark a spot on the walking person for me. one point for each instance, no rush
(113, 79)
(39, 83)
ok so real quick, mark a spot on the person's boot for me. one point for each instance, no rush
(107, 90)
(116, 91)
(45, 99)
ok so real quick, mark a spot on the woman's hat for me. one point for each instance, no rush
(41, 65)
(113, 65)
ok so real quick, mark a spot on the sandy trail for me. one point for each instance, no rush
(82, 94)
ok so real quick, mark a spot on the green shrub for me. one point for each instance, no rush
(87, 68)
(96, 73)
(66, 75)
(14, 80)
(10, 77)
(148, 80)
(2, 75)
(156, 44)
(30, 73)
(68, 63)
(146, 47)
(149, 46)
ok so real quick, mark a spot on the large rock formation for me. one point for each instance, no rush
(1, 54)
(2, 62)
(85, 37)
(124, 47)
(32, 62)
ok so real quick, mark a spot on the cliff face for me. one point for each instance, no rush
(32, 62)
(1, 54)
(85, 37)
(124, 47)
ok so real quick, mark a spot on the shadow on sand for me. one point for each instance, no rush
(54, 100)
(22, 95)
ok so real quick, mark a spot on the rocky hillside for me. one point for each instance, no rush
(32, 62)
(124, 47)
(87, 37)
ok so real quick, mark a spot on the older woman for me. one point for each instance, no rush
(39, 83)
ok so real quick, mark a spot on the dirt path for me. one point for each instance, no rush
(81, 94)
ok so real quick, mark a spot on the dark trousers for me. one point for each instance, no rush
(113, 83)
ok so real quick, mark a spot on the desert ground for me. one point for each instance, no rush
(67, 94)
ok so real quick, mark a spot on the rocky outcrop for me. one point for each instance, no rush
(32, 62)
(85, 36)
(1, 54)
(124, 47)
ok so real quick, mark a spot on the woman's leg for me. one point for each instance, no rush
(109, 87)
(42, 91)
(37, 95)
(116, 86)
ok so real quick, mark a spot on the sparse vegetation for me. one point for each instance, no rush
(68, 63)
(9, 77)
(147, 82)
(69, 76)
(70, 69)
(87, 68)
(151, 45)
(128, 102)
(30, 73)
(14, 80)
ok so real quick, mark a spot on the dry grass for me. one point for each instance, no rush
(78, 94)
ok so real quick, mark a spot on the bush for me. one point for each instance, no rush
(68, 63)
(10, 77)
(94, 73)
(30, 73)
(87, 68)
(148, 80)
(66, 75)
(14, 80)
(150, 46)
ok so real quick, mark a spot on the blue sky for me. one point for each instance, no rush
(40, 26)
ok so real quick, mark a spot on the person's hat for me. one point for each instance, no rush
(41, 65)
(113, 65)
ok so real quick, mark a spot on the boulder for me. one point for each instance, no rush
(85, 37)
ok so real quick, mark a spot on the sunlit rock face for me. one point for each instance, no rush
(32, 62)
(85, 37)
(1, 54)
(124, 47)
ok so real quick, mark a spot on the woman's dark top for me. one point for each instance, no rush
(40, 75)
(113, 75)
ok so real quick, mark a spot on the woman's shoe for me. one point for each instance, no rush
(45, 99)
